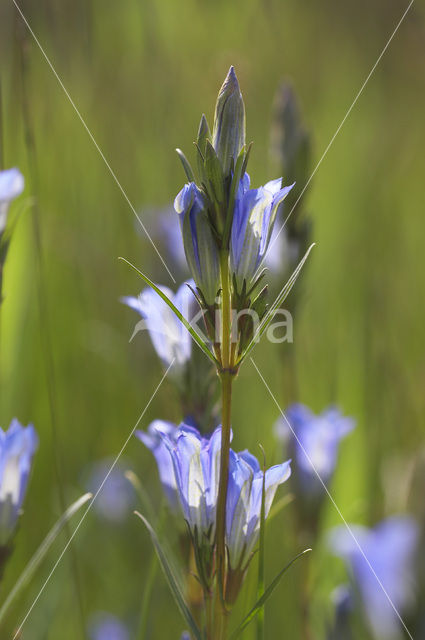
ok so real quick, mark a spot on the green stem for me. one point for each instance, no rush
(226, 379)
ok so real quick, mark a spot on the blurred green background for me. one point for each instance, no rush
(141, 72)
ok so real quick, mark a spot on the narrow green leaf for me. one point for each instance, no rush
(172, 582)
(141, 493)
(203, 134)
(214, 172)
(279, 300)
(195, 335)
(42, 550)
(268, 592)
(261, 555)
(186, 166)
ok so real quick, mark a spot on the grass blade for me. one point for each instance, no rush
(268, 592)
(195, 335)
(172, 581)
(42, 550)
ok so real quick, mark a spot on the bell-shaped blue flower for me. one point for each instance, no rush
(198, 239)
(153, 439)
(171, 340)
(390, 550)
(313, 444)
(17, 447)
(244, 503)
(253, 220)
(11, 186)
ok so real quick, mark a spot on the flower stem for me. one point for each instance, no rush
(226, 378)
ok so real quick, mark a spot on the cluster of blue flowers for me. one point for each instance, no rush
(188, 466)
(226, 228)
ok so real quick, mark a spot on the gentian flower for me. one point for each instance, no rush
(105, 626)
(198, 239)
(17, 447)
(319, 438)
(244, 503)
(342, 598)
(253, 220)
(171, 340)
(153, 439)
(11, 186)
(195, 462)
(390, 549)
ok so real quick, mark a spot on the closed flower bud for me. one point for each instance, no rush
(229, 122)
(198, 239)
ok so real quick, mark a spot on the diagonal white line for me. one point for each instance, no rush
(332, 500)
(341, 124)
(102, 155)
(64, 550)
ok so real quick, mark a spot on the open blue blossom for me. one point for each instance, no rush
(390, 549)
(171, 340)
(153, 439)
(11, 186)
(104, 626)
(253, 220)
(244, 503)
(17, 447)
(314, 447)
(194, 462)
(198, 240)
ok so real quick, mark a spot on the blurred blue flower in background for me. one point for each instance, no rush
(252, 226)
(169, 228)
(11, 186)
(171, 340)
(343, 601)
(390, 549)
(104, 626)
(115, 500)
(153, 439)
(17, 447)
(318, 436)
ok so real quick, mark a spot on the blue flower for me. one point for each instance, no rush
(105, 626)
(171, 340)
(11, 186)
(243, 507)
(253, 220)
(153, 439)
(17, 447)
(314, 446)
(198, 239)
(116, 497)
(390, 549)
(192, 467)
